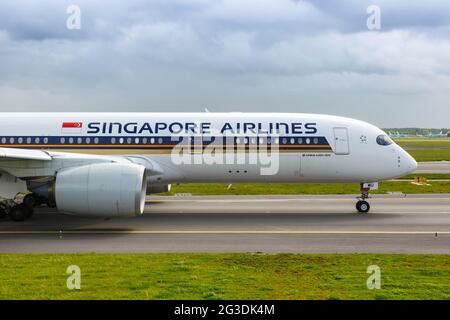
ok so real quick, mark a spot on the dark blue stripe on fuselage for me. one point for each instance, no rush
(160, 142)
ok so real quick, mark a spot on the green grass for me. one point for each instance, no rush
(430, 176)
(422, 155)
(426, 149)
(424, 142)
(267, 189)
(224, 276)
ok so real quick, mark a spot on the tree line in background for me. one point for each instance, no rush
(419, 131)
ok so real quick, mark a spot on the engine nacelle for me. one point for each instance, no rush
(101, 190)
(158, 188)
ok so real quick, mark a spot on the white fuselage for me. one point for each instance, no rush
(308, 147)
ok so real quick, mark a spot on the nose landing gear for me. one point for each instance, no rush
(362, 205)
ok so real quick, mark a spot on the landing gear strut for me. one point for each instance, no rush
(362, 205)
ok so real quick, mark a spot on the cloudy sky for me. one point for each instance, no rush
(230, 55)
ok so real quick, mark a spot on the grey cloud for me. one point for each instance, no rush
(229, 55)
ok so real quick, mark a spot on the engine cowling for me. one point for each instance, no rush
(101, 190)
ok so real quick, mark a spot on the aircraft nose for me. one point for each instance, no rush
(408, 163)
(412, 163)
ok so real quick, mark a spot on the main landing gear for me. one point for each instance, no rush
(362, 205)
(21, 212)
(18, 209)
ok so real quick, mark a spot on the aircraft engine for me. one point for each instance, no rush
(101, 190)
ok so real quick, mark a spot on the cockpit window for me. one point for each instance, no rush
(384, 140)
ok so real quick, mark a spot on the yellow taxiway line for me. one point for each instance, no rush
(300, 232)
(192, 199)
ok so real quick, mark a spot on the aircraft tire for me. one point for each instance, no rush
(29, 201)
(19, 213)
(363, 206)
(30, 213)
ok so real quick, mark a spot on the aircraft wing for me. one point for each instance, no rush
(25, 163)
(14, 154)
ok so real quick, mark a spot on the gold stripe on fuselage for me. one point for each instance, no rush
(142, 146)
(123, 149)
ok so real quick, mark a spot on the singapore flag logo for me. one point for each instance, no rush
(71, 127)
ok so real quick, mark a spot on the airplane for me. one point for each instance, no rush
(417, 135)
(402, 135)
(104, 164)
(438, 135)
